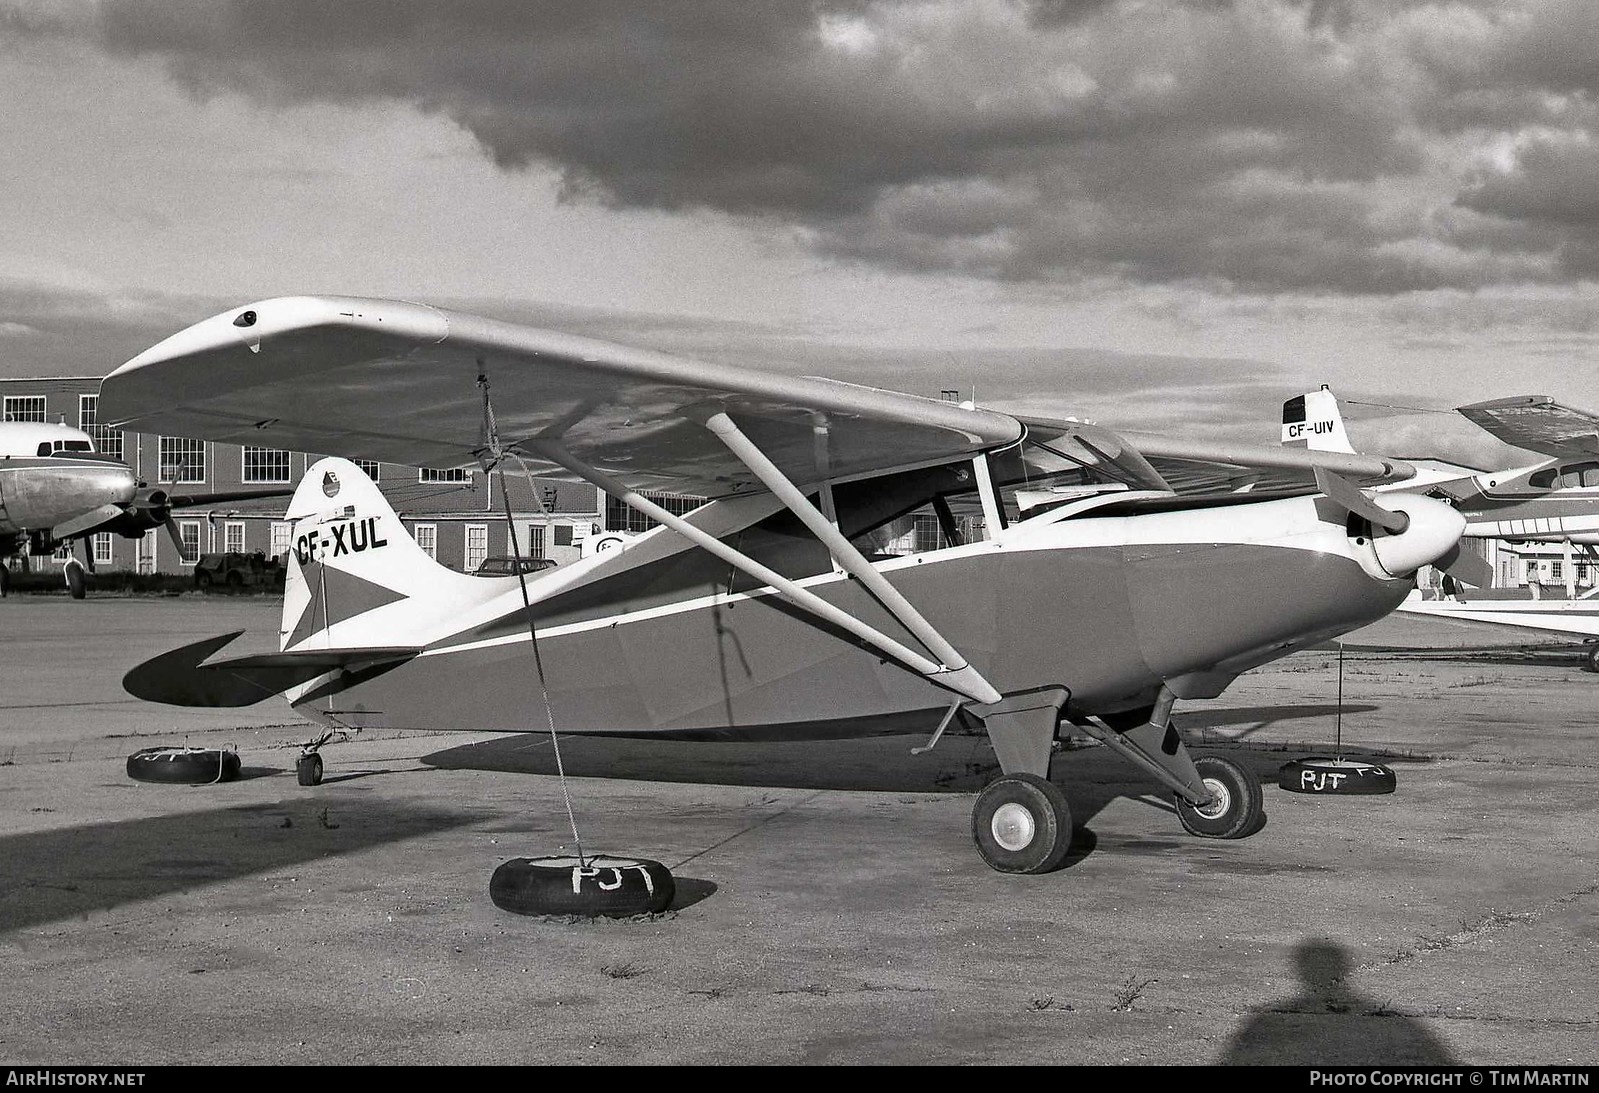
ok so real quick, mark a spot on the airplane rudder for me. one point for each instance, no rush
(1313, 421)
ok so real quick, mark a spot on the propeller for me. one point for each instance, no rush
(1353, 498)
(1434, 529)
(1466, 567)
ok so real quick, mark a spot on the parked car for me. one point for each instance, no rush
(506, 566)
(238, 570)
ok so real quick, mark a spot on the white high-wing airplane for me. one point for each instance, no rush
(769, 612)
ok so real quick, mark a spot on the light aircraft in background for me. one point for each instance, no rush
(55, 488)
(771, 612)
(1555, 500)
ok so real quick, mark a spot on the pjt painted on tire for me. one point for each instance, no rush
(579, 875)
(1320, 782)
(351, 537)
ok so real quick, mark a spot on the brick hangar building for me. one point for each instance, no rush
(457, 516)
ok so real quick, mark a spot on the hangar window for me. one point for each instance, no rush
(107, 441)
(182, 459)
(189, 535)
(427, 537)
(102, 548)
(535, 541)
(477, 545)
(282, 532)
(619, 517)
(563, 535)
(369, 467)
(454, 474)
(24, 407)
(265, 464)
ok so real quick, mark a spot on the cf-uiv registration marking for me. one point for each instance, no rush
(351, 537)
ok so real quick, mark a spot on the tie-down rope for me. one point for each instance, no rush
(491, 459)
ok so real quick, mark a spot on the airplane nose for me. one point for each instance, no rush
(1432, 532)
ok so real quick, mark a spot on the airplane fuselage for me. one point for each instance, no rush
(1110, 607)
(50, 474)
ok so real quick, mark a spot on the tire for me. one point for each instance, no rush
(1022, 824)
(5, 580)
(1335, 777)
(1237, 813)
(77, 584)
(202, 579)
(183, 766)
(1590, 658)
(308, 770)
(235, 579)
(606, 887)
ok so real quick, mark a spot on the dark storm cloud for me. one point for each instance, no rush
(1350, 146)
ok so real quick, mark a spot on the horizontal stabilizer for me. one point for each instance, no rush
(186, 677)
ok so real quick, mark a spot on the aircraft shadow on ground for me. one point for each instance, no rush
(76, 871)
(961, 763)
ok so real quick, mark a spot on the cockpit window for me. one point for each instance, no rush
(1579, 474)
(44, 447)
(1543, 480)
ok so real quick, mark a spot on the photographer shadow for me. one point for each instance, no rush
(1329, 1024)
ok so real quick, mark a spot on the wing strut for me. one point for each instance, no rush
(957, 673)
(965, 680)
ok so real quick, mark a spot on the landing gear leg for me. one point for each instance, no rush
(1021, 822)
(1215, 797)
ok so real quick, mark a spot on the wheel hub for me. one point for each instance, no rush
(1013, 826)
(1219, 806)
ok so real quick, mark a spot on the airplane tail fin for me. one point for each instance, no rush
(356, 577)
(360, 597)
(1312, 421)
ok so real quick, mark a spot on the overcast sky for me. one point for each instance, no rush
(1161, 215)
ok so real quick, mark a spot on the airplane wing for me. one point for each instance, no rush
(1538, 423)
(399, 382)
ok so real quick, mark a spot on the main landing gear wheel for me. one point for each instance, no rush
(1237, 809)
(1590, 659)
(1022, 824)
(1328, 776)
(77, 584)
(183, 766)
(601, 887)
(308, 770)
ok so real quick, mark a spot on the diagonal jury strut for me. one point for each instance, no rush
(965, 680)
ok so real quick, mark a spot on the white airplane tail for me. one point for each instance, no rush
(1312, 421)
(356, 577)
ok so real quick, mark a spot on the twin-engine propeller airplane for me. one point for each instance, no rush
(774, 610)
(55, 488)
